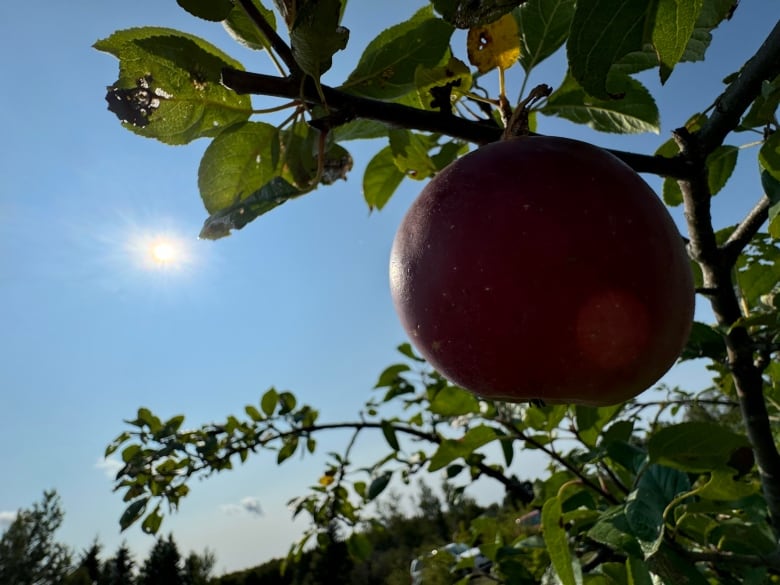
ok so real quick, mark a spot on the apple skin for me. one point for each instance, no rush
(543, 268)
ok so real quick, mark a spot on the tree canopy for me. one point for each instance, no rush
(685, 488)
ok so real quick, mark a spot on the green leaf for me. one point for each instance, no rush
(410, 153)
(764, 108)
(612, 530)
(769, 155)
(448, 153)
(637, 572)
(695, 447)
(269, 401)
(634, 112)
(758, 269)
(544, 26)
(287, 402)
(214, 10)
(712, 13)
(316, 36)
(169, 85)
(151, 523)
(132, 513)
(437, 87)
(360, 129)
(772, 190)
(237, 163)
(381, 178)
(407, 350)
(454, 401)
(704, 342)
(253, 413)
(645, 506)
(557, 542)
(451, 449)
(592, 420)
(387, 67)
(720, 164)
(129, 452)
(723, 487)
(390, 375)
(602, 32)
(468, 14)
(673, 25)
(378, 485)
(244, 31)
(359, 546)
(288, 449)
(389, 432)
(271, 195)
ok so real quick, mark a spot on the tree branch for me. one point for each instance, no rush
(717, 263)
(745, 231)
(740, 93)
(277, 43)
(345, 107)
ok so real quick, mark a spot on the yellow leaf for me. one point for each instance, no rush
(494, 45)
(326, 480)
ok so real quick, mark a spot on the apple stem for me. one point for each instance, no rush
(518, 124)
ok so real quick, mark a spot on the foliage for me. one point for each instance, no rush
(661, 490)
(29, 555)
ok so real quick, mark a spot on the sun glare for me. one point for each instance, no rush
(163, 252)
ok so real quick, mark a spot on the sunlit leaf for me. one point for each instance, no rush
(237, 163)
(454, 401)
(244, 31)
(603, 32)
(381, 178)
(411, 153)
(635, 111)
(557, 542)
(493, 45)
(238, 215)
(169, 85)
(387, 67)
(543, 27)
(316, 36)
(269, 401)
(720, 165)
(723, 486)
(673, 25)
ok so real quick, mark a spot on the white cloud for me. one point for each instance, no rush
(6, 518)
(109, 466)
(248, 505)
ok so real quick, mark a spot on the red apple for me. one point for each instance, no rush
(543, 268)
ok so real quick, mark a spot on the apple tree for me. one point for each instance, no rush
(683, 489)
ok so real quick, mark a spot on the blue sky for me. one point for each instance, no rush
(298, 299)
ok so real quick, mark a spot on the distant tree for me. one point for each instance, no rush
(90, 561)
(29, 555)
(120, 569)
(88, 571)
(330, 562)
(163, 566)
(198, 567)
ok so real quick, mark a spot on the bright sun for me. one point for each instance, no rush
(163, 252)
